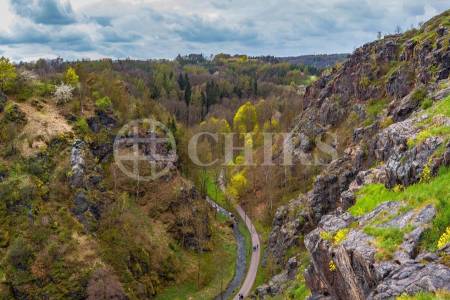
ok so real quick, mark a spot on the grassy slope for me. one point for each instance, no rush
(216, 268)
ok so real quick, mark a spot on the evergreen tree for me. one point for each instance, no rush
(181, 82)
(187, 91)
(187, 96)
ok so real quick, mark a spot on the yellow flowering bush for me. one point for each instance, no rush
(444, 239)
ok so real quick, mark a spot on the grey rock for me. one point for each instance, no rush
(3, 100)
(406, 167)
(81, 204)
(77, 164)
(412, 278)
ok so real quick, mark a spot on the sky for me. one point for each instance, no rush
(143, 29)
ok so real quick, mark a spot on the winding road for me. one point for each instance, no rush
(254, 261)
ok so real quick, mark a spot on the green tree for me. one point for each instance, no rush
(7, 74)
(71, 77)
(238, 185)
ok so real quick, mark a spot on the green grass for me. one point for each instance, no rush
(435, 191)
(215, 193)
(373, 109)
(442, 131)
(217, 270)
(440, 108)
(440, 295)
(387, 240)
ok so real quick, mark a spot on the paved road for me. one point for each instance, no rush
(254, 262)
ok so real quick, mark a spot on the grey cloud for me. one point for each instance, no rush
(201, 31)
(51, 12)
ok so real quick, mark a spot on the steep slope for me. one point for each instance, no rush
(367, 109)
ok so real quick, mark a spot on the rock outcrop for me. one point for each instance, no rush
(404, 71)
(348, 269)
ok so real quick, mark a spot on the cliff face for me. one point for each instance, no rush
(382, 105)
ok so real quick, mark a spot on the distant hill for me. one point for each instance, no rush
(320, 61)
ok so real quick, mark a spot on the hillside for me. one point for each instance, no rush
(387, 107)
(361, 212)
(319, 61)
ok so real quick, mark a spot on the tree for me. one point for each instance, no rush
(379, 35)
(187, 91)
(398, 29)
(187, 96)
(71, 77)
(7, 74)
(181, 82)
(104, 285)
(238, 185)
(245, 118)
(63, 93)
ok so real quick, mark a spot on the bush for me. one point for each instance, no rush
(419, 95)
(19, 254)
(444, 239)
(82, 126)
(427, 103)
(103, 103)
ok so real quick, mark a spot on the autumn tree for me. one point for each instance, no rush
(7, 74)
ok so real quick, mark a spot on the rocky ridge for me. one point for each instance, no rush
(397, 74)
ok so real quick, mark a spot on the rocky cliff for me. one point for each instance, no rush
(387, 109)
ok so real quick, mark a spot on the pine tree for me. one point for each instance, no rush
(181, 82)
(187, 96)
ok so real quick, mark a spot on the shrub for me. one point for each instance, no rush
(14, 114)
(419, 95)
(103, 103)
(325, 235)
(332, 266)
(63, 93)
(386, 122)
(444, 239)
(427, 103)
(19, 254)
(82, 126)
(104, 285)
(340, 236)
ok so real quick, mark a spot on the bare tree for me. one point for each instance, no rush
(104, 285)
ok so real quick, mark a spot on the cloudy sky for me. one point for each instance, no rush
(73, 29)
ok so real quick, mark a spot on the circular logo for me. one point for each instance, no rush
(145, 150)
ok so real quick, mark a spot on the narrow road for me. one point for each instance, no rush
(254, 261)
